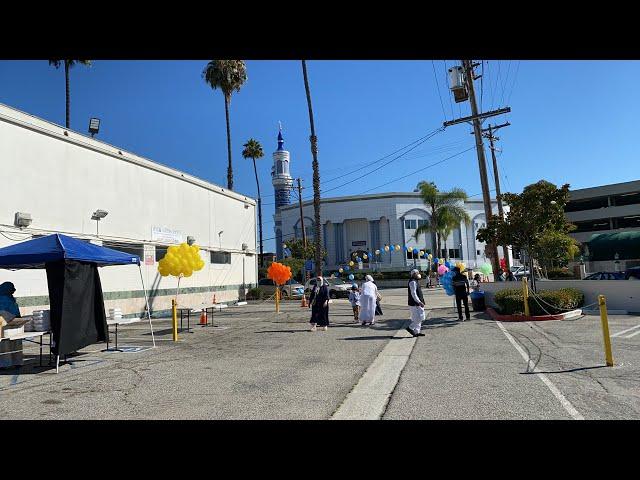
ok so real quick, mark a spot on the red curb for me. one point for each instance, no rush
(523, 318)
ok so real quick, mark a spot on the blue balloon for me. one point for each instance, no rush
(416, 251)
(391, 248)
(351, 277)
(346, 267)
(447, 264)
(358, 259)
(436, 260)
(405, 248)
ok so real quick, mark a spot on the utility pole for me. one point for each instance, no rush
(304, 235)
(488, 133)
(482, 163)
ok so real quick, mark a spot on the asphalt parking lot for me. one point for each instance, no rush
(256, 364)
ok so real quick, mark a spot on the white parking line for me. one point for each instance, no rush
(625, 331)
(565, 403)
(633, 334)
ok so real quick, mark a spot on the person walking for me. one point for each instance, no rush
(354, 300)
(461, 290)
(509, 276)
(368, 298)
(416, 304)
(319, 303)
(378, 298)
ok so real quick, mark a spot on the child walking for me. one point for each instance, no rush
(354, 299)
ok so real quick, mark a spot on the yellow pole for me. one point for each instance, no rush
(277, 299)
(525, 293)
(174, 318)
(605, 330)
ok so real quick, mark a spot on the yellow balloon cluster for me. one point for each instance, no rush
(461, 266)
(181, 260)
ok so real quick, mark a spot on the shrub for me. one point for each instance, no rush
(559, 273)
(255, 294)
(511, 301)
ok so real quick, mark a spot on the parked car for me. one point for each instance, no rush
(522, 271)
(605, 276)
(269, 288)
(338, 288)
(632, 273)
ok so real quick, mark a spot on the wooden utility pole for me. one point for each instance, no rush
(482, 163)
(488, 133)
(304, 235)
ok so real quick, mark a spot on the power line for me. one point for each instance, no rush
(515, 79)
(481, 86)
(506, 81)
(370, 172)
(420, 170)
(444, 114)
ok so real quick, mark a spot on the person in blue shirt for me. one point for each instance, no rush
(354, 300)
(7, 301)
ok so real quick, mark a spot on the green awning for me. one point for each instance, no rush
(603, 246)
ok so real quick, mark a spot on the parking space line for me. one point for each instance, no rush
(565, 403)
(633, 334)
(625, 331)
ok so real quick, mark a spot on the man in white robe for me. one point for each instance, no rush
(368, 302)
(416, 304)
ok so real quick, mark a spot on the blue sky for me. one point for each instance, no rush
(572, 121)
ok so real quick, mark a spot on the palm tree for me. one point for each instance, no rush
(445, 210)
(68, 64)
(253, 150)
(227, 75)
(316, 176)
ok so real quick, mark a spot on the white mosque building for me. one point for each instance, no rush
(355, 225)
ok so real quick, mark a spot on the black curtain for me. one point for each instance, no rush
(77, 307)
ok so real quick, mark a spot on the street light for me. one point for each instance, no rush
(97, 216)
(94, 126)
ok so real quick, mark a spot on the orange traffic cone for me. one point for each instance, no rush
(203, 318)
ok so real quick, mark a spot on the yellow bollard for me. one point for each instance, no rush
(277, 299)
(605, 330)
(525, 294)
(174, 319)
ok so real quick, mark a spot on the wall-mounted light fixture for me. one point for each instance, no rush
(191, 240)
(22, 219)
(97, 216)
(94, 126)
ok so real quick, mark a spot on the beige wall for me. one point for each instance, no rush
(61, 179)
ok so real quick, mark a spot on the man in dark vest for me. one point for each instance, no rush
(461, 289)
(416, 304)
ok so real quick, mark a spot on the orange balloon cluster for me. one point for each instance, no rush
(279, 273)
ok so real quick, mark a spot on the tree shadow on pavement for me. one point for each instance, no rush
(566, 371)
(375, 337)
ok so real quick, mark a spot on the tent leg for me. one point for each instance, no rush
(57, 362)
(146, 301)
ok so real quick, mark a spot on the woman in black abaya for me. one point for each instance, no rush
(319, 302)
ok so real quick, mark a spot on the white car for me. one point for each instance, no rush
(338, 288)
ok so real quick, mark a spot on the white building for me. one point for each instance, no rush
(60, 177)
(354, 225)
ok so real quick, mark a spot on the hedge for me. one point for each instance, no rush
(255, 294)
(511, 301)
(559, 274)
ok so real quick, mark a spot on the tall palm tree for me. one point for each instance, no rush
(253, 150)
(316, 176)
(227, 75)
(68, 64)
(445, 210)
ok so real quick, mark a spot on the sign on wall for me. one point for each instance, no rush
(359, 243)
(166, 235)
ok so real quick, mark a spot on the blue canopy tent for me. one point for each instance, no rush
(46, 251)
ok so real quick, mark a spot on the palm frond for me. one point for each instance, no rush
(227, 75)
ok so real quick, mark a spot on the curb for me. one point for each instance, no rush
(532, 318)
